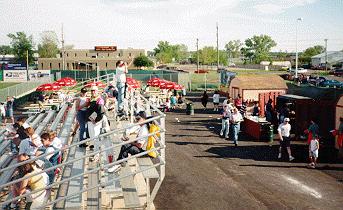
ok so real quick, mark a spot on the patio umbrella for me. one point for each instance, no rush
(48, 87)
(66, 81)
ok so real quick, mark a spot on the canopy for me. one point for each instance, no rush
(48, 87)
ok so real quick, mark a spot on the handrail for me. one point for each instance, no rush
(65, 163)
(76, 176)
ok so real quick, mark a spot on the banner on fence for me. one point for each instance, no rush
(15, 76)
(38, 75)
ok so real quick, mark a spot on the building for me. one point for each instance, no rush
(101, 57)
(250, 86)
(333, 57)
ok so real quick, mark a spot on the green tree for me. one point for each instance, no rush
(257, 48)
(21, 44)
(208, 56)
(167, 53)
(143, 60)
(5, 50)
(305, 57)
(233, 48)
(48, 48)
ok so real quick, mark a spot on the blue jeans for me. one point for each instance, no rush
(235, 132)
(225, 128)
(81, 118)
(121, 92)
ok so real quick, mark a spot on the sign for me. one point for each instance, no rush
(36, 75)
(14, 66)
(15, 76)
(105, 48)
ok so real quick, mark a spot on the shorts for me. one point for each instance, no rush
(9, 113)
(286, 142)
(313, 153)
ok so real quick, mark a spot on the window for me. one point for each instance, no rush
(130, 54)
(108, 55)
(97, 54)
(67, 54)
(67, 66)
(59, 65)
(106, 64)
(119, 55)
(86, 54)
(75, 54)
(50, 65)
(42, 66)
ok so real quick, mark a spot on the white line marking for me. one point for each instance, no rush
(303, 187)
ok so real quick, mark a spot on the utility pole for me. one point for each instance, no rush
(63, 52)
(217, 48)
(27, 65)
(197, 54)
(326, 54)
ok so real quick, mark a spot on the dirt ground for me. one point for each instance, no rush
(204, 171)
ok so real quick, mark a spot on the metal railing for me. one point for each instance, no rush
(160, 149)
(19, 89)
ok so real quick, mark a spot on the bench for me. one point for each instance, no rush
(58, 117)
(45, 122)
(130, 194)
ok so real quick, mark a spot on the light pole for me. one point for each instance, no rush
(296, 47)
(326, 54)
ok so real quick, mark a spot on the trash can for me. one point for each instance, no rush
(189, 109)
(271, 133)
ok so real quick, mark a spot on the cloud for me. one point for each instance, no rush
(277, 7)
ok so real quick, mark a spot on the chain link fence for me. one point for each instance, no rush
(19, 90)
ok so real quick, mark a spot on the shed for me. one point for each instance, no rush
(251, 85)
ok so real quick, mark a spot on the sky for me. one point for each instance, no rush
(143, 23)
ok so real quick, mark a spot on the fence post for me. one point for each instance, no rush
(163, 150)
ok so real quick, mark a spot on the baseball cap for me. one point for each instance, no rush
(84, 90)
(286, 119)
(141, 114)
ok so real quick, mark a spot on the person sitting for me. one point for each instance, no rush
(256, 109)
(29, 184)
(134, 147)
(173, 101)
(30, 145)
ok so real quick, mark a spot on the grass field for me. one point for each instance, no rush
(7, 84)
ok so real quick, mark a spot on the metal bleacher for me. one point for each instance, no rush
(86, 184)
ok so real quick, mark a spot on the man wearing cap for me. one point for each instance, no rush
(82, 103)
(134, 147)
(284, 131)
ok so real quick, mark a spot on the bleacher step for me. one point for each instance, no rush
(131, 198)
(146, 162)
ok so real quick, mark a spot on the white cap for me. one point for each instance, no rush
(286, 119)
(26, 125)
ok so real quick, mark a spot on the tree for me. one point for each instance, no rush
(167, 53)
(233, 48)
(257, 48)
(21, 44)
(208, 56)
(48, 47)
(305, 57)
(5, 50)
(143, 60)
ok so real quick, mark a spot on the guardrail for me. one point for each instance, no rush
(160, 149)
(18, 90)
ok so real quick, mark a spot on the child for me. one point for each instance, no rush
(313, 151)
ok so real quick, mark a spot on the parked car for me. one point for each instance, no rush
(300, 70)
(313, 80)
(337, 72)
(331, 83)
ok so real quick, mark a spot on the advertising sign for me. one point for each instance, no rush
(39, 75)
(105, 48)
(15, 76)
(12, 66)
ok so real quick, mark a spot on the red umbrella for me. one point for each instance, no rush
(153, 81)
(48, 87)
(177, 87)
(66, 81)
(98, 84)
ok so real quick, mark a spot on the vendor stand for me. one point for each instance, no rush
(257, 127)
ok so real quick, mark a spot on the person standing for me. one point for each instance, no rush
(9, 110)
(313, 130)
(238, 102)
(313, 151)
(216, 98)
(82, 102)
(226, 121)
(204, 99)
(121, 71)
(256, 109)
(284, 131)
(236, 119)
(2, 111)
(269, 110)
(95, 114)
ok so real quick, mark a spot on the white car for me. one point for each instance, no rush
(300, 70)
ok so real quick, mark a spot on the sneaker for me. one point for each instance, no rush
(221, 134)
(114, 168)
(279, 156)
(291, 158)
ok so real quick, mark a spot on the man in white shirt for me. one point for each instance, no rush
(236, 119)
(134, 147)
(284, 131)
